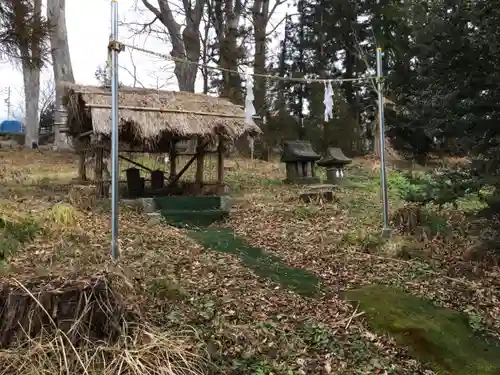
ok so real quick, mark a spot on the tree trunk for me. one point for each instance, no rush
(226, 20)
(229, 53)
(61, 60)
(186, 44)
(31, 77)
(186, 73)
(260, 18)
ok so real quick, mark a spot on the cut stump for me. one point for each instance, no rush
(83, 309)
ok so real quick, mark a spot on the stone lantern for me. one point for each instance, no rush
(300, 160)
(334, 162)
(61, 119)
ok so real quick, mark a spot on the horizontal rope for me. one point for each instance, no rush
(267, 76)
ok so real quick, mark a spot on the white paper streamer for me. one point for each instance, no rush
(328, 101)
(249, 108)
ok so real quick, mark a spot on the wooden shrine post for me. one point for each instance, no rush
(99, 166)
(220, 161)
(200, 161)
(173, 159)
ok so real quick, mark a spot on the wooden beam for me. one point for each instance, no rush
(173, 159)
(84, 134)
(135, 163)
(165, 110)
(99, 166)
(185, 168)
(200, 161)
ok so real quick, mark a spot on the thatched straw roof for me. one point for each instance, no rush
(155, 112)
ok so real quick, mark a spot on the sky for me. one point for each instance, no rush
(88, 23)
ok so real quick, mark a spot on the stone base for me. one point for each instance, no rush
(303, 181)
(331, 175)
(176, 203)
(183, 210)
(311, 196)
(325, 193)
(335, 181)
(193, 203)
(146, 205)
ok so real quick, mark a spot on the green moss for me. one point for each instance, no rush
(439, 336)
(262, 263)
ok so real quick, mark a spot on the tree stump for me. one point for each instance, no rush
(83, 309)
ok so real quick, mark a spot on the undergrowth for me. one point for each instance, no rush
(16, 232)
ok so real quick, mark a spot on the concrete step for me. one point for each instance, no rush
(183, 218)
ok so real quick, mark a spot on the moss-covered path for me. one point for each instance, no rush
(263, 264)
(439, 336)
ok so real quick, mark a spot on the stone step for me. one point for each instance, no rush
(183, 218)
(177, 203)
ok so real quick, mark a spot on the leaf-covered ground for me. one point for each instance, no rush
(264, 291)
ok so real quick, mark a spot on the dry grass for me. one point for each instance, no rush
(63, 215)
(148, 351)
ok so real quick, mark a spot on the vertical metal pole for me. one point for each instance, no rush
(381, 119)
(115, 251)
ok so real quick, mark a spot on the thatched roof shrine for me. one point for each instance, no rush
(148, 114)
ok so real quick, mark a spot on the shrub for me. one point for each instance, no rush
(63, 215)
(440, 188)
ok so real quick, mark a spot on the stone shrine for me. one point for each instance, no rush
(300, 160)
(334, 162)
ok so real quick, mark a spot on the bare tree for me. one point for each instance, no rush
(225, 16)
(160, 82)
(61, 59)
(133, 72)
(185, 42)
(47, 94)
(46, 98)
(262, 12)
(205, 52)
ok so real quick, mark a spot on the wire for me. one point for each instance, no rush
(267, 76)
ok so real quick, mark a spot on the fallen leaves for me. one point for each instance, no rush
(240, 316)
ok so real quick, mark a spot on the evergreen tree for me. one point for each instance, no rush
(18, 27)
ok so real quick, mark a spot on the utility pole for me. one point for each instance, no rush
(8, 102)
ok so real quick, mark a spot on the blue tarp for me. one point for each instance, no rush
(11, 126)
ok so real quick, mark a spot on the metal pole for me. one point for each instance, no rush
(381, 119)
(115, 251)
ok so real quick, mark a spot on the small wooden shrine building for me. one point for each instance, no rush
(153, 121)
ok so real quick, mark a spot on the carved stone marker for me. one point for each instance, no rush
(318, 193)
(300, 160)
(334, 162)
